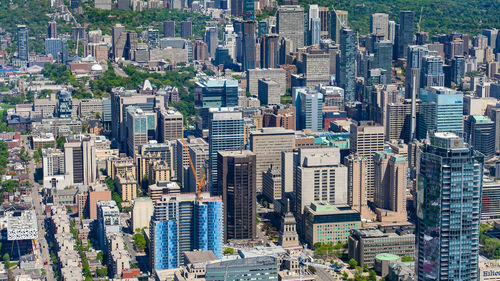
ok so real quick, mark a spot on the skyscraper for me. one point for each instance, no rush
(141, 128)
(366, 139)
(119, 39)
(413, 69)
(169, 28)
(448, 209)
(236, 184)
(405, 35)
(153, 37)
(243, 8)
(357, 181)
(186, 29)
(347, 74)
(170, 125)
(379, 24)
(315, 31)
(22, 43)
(441, 111)
(338, 19)
(211, 38)
(457, 69)
(480, 133)
(52, 29)
(80, 161)
(432, 72)
(225, 133)
(289, 23)
(309, 107)
(270, 48)
(211, 92)
(183, 223)
(248, 45)
(383, 56)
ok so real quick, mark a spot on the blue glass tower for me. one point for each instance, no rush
(347, 74)
(448, 209)
(309, 107)
(315, 31)
(183, 223)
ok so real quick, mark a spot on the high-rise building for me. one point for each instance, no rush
(495, 117)
(383, 56)
(398, 120)
(249, 50)
(449, 209)
(309, 107)
(269, 92)
(211, 38)
(480, 133)
(379, 25)
(225, 133)
(80, 160)
(366, 139)
(271, 184)
(236, 183)
(270, 47)
(357, 181)
(276, 74)
(58, 48)
(318, 178)
(169, 28)
(267, 144)
(390, 186)
(316, 68)
(64, 104)
(22, 43)
(183, 223)
(186, 29)
(52, 29)
(315, 31)
(338, 20)
(457, 69)
(347, 71)
(324, 15)
(119, 39)
(153, 37)
(441, 111)
(243, 8)
(170, 125)
(432, 72)
(108, 221)
(415, 56)
(492, 35)
(141, 128)
(405, 35)
(142, 211)
(289, 24)
(102, 4)
(211, 93)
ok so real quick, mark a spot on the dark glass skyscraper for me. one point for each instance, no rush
(457, 69)
(248, 44)
(347, 75)
(432, 72)
(405, 34)
(383, 56)
(448, 209)
(22, 42)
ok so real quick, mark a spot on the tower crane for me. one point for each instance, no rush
(200, 183)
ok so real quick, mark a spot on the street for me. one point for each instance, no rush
(324, 275)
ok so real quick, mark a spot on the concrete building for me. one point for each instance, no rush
(210, 93)
(490, 200)
(289, 24)
(316, 68)
(170, 125)
(269, 92)
(108, 221)
(271, 184)
(277, 75)
(366, 243)
(326, 223)
(126, 184)
(366, 139)
(309, 108)
(390, 182)
(236, 183)
(379, 24)
(480, 131)
(357, 182)
(268, 144)
(80, 160)
(142, 211)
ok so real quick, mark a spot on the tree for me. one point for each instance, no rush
(102, 272)
(139, 242)
(406, 258)
(228, 251)
(60, 142)
(353, 263)
(24, 155)
(372, 276)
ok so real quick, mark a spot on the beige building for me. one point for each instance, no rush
(156, 191)
(158, 171)
(90, 106)
(271, 184)
(121, 165)
(170, 124)
(142, 211)
(127, 186)
(267, 144)
(357, 181)
(154, 152)
(367, 138)
(390, 186)
(80, 160)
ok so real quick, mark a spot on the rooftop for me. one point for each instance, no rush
(387, 257)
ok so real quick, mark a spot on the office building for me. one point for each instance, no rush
(480, 133)
(326, 223)
(126, 185)
(441, 111)
(315, 31)
(391, 172)
(289, 24)
(366, 139)
(495, 117)
(155, 153)
(183, 223)
(268, 144)
(169, 28)
(316, 68)
(383, 57)
(269, 92)
(22, 43)
(236, 183)
(271, 184)
(198, 148)
(247, 44)
(379, 25)
(270, 48)
(405, 35)
(170, 125)
(186, 29)
(366, 243)
(255, 268)
(225, 133)
(52, 29)
(102, 4)
(347, 70)
(448, 209)
(96, 193)
(142, 211)
(211, 92)
(319, 177)
(211, 39)
(490, 200)
(80, 161)
(432, 72)
(141, 128)
(357, 181)
(108, 221)
(278, 75)
(242, 8)
(415, 56)
(309, 107)
(338, 20)
(457, 69)
(64, 104)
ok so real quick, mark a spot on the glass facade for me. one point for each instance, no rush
(448, 209)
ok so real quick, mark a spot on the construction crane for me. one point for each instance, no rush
(200, 183)
(420, 19)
